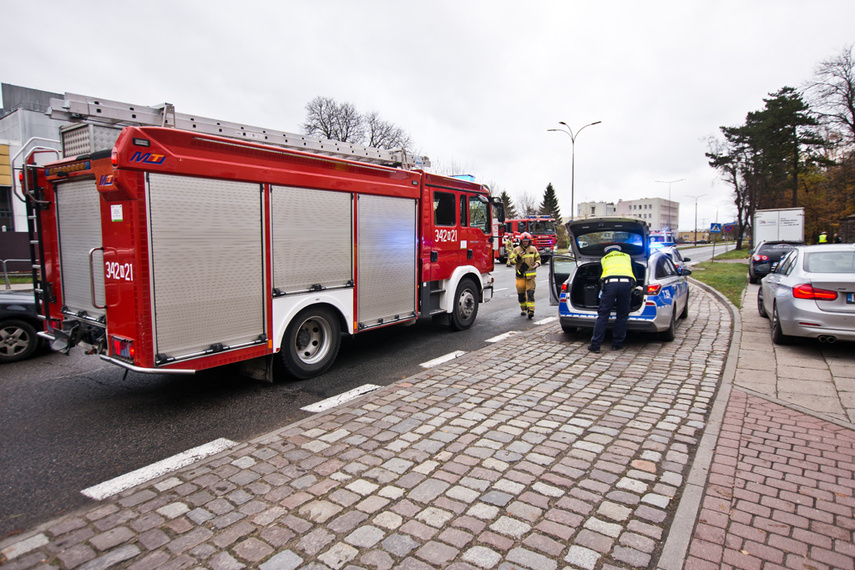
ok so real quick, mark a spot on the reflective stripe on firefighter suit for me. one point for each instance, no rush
(525, 279)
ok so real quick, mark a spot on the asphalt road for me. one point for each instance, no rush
(70, 422)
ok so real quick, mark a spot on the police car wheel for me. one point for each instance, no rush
(311, 342)
(670, 333)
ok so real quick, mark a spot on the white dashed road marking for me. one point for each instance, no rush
(134, 478)
(501, 336)
(340, 399)
(441, 359)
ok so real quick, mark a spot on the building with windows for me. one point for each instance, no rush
(595, 210)
(23, 126)
(660, 214)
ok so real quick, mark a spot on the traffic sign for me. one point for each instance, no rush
(728, 228)
(715, 228)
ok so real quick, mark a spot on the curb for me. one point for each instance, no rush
(683, 526)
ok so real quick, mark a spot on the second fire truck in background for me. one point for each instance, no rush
(542, 229)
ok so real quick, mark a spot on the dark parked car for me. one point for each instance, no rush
(19, 322)
(765, 256)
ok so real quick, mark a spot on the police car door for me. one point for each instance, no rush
(560, 269)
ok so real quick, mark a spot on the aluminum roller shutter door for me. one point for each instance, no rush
(78, 208)
(206, 260)
(312, 238)
(387, 259)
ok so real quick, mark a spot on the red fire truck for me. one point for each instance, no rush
(542, 230)
(176, 250)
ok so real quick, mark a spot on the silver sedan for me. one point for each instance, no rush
(811, 293)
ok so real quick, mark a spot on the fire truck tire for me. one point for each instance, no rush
(465, 307)
(311, 342)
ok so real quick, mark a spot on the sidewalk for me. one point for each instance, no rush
(780, 489)
(556, 459)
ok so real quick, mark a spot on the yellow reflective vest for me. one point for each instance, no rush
(616, 264)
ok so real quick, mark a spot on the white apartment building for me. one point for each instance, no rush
(657, 212)
(595, 210)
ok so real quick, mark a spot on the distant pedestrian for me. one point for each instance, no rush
(617, 281)
(509, 248)
(527, 260)
(837, 238)
(823, 237)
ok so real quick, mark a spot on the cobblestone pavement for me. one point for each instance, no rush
(530, 453)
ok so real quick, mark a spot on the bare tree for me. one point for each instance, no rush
(336, 121)
(383, 134)
(832, 93)
(527, 205)
(329, 119)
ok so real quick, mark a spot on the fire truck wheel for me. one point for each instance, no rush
(465, 306)
(311, 342)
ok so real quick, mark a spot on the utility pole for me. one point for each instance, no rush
(696, 215)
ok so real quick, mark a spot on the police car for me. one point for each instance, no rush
(659, 299)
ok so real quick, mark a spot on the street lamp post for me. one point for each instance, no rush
(669, 183)
(696, 215)
(569, 132)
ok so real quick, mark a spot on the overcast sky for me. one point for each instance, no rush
(475, 83)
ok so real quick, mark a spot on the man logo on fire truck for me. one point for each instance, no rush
(173, 296)
(148, 158)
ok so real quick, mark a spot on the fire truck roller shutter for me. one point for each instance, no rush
(386, 257)
(206, 264)
(78, 209)
(314, 225)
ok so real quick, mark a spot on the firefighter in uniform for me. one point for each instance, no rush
(618, 281)
(526, 259)
(509, 248)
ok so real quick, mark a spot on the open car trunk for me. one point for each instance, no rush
(584, 291)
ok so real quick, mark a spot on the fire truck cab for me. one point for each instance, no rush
(542, 230)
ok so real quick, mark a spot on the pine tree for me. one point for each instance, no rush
(549, 206)
(510, 211)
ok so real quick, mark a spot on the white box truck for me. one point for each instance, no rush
(782, 224)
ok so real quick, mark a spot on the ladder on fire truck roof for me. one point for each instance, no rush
(81, 108)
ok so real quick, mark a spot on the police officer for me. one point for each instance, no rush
(823, 237)
(617, 281)
(527, 259)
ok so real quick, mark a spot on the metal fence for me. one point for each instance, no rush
(3, 263)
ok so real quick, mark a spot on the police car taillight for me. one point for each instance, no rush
(653, 290)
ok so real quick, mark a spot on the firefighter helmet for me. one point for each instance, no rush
(525, 235)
